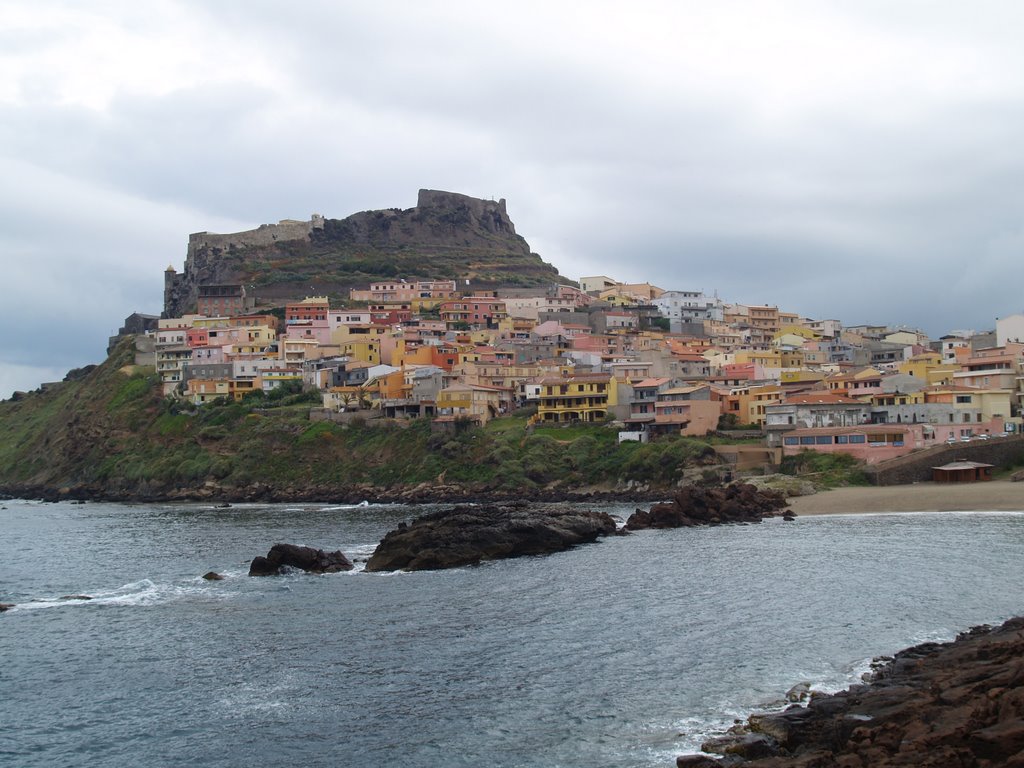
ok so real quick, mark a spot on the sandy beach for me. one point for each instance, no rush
(995, 495)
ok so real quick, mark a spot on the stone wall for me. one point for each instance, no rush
(917, 467)
(203, 265)
(265, 234)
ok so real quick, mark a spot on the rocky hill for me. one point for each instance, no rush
(446, 236)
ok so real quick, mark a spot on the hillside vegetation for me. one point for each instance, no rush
(112, 435)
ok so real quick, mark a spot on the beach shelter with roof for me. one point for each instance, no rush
(962, 472)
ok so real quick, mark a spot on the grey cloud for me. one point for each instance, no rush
(888, 194)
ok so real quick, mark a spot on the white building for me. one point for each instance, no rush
(1009, 329)
(688, 306)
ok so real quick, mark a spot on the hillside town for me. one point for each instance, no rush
(641, 359)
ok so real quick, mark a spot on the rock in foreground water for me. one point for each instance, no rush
(304, 558)
(951, 705)
(467, 535)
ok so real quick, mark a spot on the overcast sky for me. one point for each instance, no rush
(853, 160)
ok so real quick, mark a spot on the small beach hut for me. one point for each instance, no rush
(962, 472)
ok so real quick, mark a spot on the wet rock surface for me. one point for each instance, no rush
(695, 505)
(307, 559)
(466, 535)
(950, 705)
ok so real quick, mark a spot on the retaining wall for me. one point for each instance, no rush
(917, 466)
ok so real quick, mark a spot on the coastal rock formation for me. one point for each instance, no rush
(6, 606)
(304, 558)
(445, 234)
(694, 505)
(949, 705)
(468, 535)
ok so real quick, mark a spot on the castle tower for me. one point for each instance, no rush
(171, 282)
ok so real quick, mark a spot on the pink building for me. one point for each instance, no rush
(401, 290)
(197, 337)
(686, 411)
(308, 319)
(870, 442)
(475, 311)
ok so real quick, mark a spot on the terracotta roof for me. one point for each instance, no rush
(819, 399)
(651, 382)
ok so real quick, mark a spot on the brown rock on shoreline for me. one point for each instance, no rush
(694, 505)
(951, 705)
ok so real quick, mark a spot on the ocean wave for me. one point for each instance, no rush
(144, 592)
(335, 508)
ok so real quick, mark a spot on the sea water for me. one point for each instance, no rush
(627, 652)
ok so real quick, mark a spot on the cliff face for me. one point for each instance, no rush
(447, 235)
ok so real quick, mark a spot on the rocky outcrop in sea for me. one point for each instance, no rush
(696, 505)
(466, 535)
(949, 705)
(282, 556)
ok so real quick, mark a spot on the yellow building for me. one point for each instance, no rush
(387, 386)
(801, 376)
(344, 334)
(472, 401)
(797, 330)
(201, 391)
(882, 399)
(754, 402)
(364, 350)
(929, 367)
(586, 397)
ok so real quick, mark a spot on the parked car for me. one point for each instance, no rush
(951, 440)
(982, 436)
(965, 439)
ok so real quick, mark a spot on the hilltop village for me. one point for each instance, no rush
(644, 360)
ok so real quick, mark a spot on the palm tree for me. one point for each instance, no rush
(365, 399)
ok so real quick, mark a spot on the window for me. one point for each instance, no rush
(823, 440)
(858, 439)
(842, 439)
(806, 441)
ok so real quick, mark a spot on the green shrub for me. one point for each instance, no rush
(133, 389)
(826, 470)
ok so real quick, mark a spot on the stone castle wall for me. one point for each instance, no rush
(441, 220)
(265, 234)
(202, 265)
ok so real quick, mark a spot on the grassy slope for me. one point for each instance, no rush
(112, 434)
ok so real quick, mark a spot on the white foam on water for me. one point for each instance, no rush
(144, 592)
(252, 698)
(360, 505)
(694, 731)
